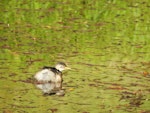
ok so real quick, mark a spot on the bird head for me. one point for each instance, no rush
(61, 66)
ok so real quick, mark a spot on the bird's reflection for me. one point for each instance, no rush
(50, 88)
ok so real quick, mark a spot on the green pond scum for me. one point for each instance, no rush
(105, 42)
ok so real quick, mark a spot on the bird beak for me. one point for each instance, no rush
(67, 68)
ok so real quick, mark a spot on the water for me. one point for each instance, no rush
(106, 43)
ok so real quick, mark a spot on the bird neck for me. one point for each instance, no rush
(59, 69)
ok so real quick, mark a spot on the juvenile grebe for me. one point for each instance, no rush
(49, 79)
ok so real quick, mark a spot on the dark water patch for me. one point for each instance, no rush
(80, 103)
(12, 74)
(31, 61)
(4, 68)
(134, 99)
(85, 112)
(21, 106)
(7, 111)
(6, 47)
(3, 77)
(139, 85)
(116, 88)
(28, 80)
(2, 98)
(148, 90)
(3, 39)
(135, 77)
(88, 64)
(53, 110)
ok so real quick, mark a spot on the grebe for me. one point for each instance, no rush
(49, 79)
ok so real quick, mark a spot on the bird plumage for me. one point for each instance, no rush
(49, 79)
(48, 74)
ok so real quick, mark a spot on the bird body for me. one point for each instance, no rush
(49, 74)
(49, 79)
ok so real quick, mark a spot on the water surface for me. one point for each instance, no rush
(106, 43)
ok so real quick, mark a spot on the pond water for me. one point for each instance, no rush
(106, 43)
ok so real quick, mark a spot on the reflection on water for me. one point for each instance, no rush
(50, 88)
(106, 44)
